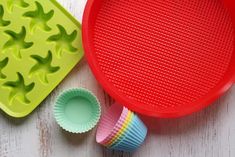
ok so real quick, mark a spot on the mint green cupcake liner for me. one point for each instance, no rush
(77, 110)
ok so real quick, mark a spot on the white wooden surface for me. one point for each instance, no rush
(209, 133)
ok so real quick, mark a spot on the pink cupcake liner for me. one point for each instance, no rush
(116, 128)
(110, 123)
(120, 132)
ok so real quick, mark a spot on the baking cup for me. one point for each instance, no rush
(110, 123)
(77, 110)
(113, 134)
(120, 132)
(134, 136)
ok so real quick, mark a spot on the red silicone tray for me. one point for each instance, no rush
(162, 58)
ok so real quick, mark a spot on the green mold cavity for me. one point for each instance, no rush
(39, 18)
(19, 89)
(17, 42)
(63, 41)
(43, 67)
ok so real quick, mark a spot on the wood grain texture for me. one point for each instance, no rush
(209, 133)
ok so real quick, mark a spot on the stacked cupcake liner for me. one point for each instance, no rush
(121, 129)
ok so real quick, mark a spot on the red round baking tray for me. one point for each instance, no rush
(161, 58)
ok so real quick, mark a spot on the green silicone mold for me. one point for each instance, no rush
(40, 43)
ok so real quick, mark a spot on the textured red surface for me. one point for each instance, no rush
(164, 58)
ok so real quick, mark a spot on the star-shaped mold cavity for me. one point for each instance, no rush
(3, 64)
(63, 41)
(17, 42)
(39, 18)
(19, 3)
(18, 89)
(3, 22)
(43, 67)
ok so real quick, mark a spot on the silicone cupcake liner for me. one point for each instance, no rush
(115, 145)
(121, 131)
(134, 136)
(134, 130)
(77, 110)
(110, 122)
(117, 127)
(107, 122)
(127, 134)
